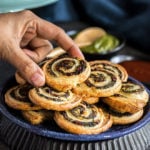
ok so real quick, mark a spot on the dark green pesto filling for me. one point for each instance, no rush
(118, 95)
(89, 124)
(129, 88)
(52, 94)
(79, 112)
(107, 66)
(21, 93)
(112, 70)
(100, 78)
(67, 64)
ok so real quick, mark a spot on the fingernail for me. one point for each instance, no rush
(37, 79)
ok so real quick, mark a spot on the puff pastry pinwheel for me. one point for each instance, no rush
(126, 118)
(36, 117)
(100, 83)
(64, 72)
(83, 119)
(121, 118)
(51, 99)
(17, 98)
(131, 98)
(107, 65)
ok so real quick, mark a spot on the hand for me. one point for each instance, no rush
(24, 41)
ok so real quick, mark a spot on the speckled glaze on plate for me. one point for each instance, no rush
(51, 130)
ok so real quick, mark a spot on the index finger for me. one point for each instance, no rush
(50, 31)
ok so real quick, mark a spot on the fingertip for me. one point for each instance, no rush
(75, 52)
(37, 79)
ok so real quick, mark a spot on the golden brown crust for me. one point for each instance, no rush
(127, 119)
(91, 100)
(122, 104)
(19, 78)
(51, 99)
(33, 117)
(134, 90)
(121, 118)
(37, 117)
(100, 83)
(115, 68)
(83, 119)
(131, 98)
(64, 72)
(17, 98)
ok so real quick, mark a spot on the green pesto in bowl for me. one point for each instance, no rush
(102, 45)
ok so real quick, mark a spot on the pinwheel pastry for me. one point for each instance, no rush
(37, 116)
(83, 119)
(131, 98)
(126, 118)
(51, 99)
(115, 68)
(17, 98)
(64, 72)
(121, 118)
(100, 83)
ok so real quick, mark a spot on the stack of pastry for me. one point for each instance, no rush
(74, 93)
(127, 105)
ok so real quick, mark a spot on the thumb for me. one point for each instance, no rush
(30, 71)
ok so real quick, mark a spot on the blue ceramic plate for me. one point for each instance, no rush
(50, 129)
(17, 5)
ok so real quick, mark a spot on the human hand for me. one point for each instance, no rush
(25, 41)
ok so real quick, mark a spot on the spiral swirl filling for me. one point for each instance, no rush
(101, 79)
(21, 93)
(114, 69)
(52, 94)
(132, 88)
(66, 66)
(41, 64)
(83, 115)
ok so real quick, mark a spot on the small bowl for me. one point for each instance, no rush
(108, 55)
